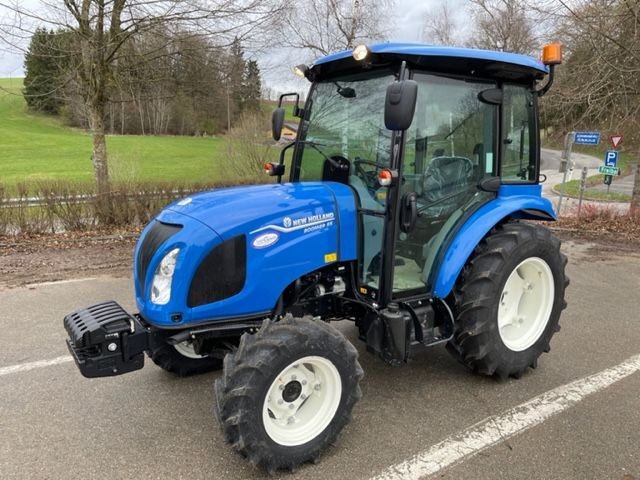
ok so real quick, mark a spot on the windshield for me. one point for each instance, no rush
(345, 124)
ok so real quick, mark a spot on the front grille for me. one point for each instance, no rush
(221, 274)
(155, 237)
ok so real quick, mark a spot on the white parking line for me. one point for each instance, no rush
(498, 428)
(23, 367)
(59, 282)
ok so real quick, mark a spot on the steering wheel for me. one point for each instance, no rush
(369, 177)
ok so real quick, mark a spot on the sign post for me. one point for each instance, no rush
(610, 167)
(583, 185)
(566, 166)
(565, 163)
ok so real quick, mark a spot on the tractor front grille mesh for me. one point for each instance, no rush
(221, 274)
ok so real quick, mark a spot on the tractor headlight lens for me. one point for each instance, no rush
(161, 285)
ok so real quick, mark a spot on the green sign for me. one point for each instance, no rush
(608, 170)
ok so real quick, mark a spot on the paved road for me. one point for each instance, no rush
(620, 184)
(56, 424)
(549, 164)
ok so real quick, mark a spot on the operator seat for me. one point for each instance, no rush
(446, 176)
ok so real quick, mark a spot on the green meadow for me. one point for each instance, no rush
(36, 147)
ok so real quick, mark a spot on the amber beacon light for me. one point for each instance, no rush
(552, 54)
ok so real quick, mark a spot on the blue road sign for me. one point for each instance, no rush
(586, 138)
(611, 158)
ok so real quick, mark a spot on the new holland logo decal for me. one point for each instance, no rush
(308, 223)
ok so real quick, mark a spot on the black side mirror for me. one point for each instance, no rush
(277, 121)
(490, 184)
(491, 96)
(400, 104)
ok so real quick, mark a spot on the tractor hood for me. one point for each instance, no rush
(248, 209)
(256, 239)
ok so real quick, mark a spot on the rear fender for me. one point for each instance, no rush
(519, 202)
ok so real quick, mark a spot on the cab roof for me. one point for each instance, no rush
(464, 61)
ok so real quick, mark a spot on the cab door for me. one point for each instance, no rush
(448, 150)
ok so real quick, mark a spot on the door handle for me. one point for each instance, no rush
(408, 212)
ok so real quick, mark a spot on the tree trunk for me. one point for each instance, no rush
(99, 154)
(635, 197)
(103, 205)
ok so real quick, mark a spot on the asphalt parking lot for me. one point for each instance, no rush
(55, 424)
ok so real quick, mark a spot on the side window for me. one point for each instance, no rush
(450, 144)
(518, 159)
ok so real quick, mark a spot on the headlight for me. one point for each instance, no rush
(161, 285)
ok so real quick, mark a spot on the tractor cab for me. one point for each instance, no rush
(424, 136)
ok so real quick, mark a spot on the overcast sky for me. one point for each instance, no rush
(277, 66)
(408, 26)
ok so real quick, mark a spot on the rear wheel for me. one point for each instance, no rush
(287, 392)
(182, 359)
(508, 300)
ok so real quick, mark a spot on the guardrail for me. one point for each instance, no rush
(35, 201)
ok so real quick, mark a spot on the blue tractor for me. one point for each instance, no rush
(410, 209)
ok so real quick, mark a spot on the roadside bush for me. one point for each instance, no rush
(5, 212)
(602, 219)
(25, 218)
(50, 207)
(67, 205)
(249, 146)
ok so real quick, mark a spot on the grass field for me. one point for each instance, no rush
(36, 147)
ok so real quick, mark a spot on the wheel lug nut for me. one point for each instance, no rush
(293, 377)
(304, 382)
(291, 419)
(317, 387)
(291, 406)
(281, 387)
(303, 396)
(280, 402)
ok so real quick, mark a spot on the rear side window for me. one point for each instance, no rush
(518, 156)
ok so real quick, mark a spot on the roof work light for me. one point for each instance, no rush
(301, 70)
(360, 52)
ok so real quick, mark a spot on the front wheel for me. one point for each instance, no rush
(287, 392)
(182, 359)
(508, 300)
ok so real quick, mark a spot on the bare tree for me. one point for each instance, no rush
(325, 26)
(441, 27)
(599, 84)
(100, 29)
(503, 25)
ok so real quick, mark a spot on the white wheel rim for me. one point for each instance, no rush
(302, 401)
(186, 349)
(525, 304)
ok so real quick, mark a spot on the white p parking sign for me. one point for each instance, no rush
(611, 158)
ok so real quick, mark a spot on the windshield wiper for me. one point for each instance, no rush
(315, 146)
(460, 124)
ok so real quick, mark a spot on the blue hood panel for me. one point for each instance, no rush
(231, 211)
(291, 230)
